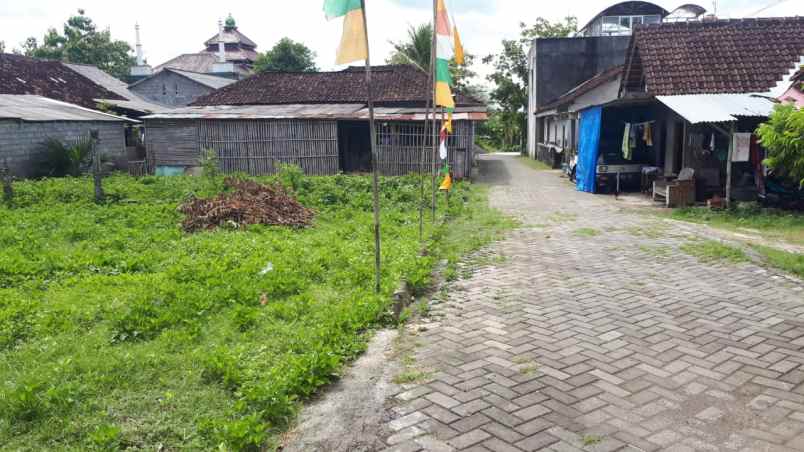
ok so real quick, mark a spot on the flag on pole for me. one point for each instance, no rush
(460, 56)
(353, 46)
(442, 150)
(444, 53)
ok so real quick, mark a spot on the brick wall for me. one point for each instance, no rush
(19, 141)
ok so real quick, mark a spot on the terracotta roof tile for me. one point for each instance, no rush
(719, 56)
(52, 79)
(399, 85)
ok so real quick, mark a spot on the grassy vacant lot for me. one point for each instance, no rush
(117, 330)
(776, 224)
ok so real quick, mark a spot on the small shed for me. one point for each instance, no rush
(26, 121)
(318, 121)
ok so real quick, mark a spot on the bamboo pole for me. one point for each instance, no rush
(374, 157)
(423, 164)
(729, 165)
(433, 50)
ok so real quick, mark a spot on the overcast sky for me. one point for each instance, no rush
(170, 28)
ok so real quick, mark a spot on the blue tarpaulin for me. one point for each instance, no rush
(588, 148)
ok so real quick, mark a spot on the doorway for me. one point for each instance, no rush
(354, 144)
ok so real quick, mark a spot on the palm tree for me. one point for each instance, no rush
(416, 49)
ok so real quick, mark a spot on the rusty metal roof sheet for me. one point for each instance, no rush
(309, 111)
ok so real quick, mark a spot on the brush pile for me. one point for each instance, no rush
(246, 203)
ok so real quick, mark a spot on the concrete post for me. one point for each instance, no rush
(8, 190)
(96, 166)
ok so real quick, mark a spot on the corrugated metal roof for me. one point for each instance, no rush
(132, 100)
(697, 108)
(209, 80)
(309, 111)
(260, 111)
(40, 109)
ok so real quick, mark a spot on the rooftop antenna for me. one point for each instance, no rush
(714, 7)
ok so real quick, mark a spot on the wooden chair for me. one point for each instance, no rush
(676, 193)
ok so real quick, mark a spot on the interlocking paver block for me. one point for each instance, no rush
(572, 335)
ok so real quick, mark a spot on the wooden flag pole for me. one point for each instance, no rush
(374, 158)
(423, 166)
(433, 50)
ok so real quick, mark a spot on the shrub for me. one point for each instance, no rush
(783, 137)
(59, 159)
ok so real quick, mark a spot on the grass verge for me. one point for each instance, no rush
(777, 224)
(538, 165)
(713, 251)
(117, 330)
(789, 262)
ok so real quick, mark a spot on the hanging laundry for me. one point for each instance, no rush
(647, 134)
(626, 142)
(741, 150)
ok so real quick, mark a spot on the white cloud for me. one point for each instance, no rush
(170, 28)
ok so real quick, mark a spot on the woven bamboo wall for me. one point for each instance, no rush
(258, 146)
(401, 145)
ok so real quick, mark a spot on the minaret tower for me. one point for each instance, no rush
(142, 69)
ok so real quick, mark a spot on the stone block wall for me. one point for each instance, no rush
(20, 141)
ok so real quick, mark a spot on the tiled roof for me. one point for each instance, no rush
(231, 36)
(202, 62)
(393, 85)
(52, 79)
(713, 56)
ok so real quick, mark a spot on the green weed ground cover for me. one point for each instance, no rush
(119, 331)
(778, 224)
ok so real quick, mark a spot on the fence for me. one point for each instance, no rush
(404, 146)
(258, 147)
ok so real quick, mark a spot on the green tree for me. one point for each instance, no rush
(415, 50)
(81, 42)
(783, 137)
(287, 56)
(510, 79)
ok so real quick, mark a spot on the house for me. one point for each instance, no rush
(558, 65)
(26, 121)
(317, 120)
(79, 84)
(177, 88)
(795, 94)
(691, 94)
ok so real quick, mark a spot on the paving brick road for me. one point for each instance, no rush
(589, 329)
